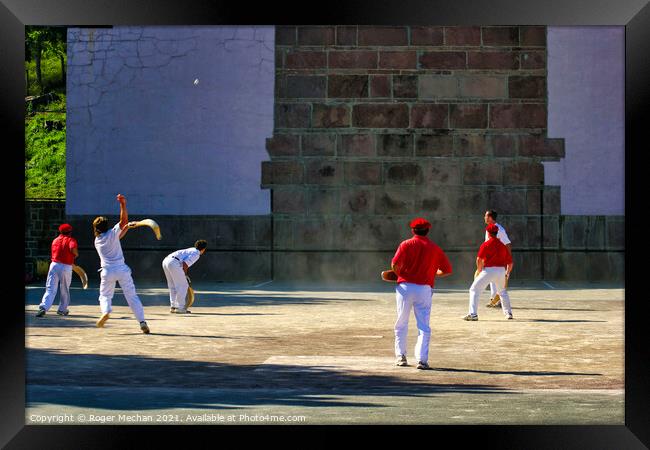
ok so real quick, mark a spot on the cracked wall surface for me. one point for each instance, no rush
(140, 124)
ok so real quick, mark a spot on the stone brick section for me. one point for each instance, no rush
(377, 124)
(238, 246)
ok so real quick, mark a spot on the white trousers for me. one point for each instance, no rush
(122, 275)
(418, 297)
(496, 275)
(59, 278)
(176, 282)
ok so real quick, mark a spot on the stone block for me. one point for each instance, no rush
(482, 86)
(533, 60)
(468, 116)
(305, 60)
(434, 145)
(470, 145)
(395, 145)
(405, 86)
(303, 86)
(331, 116)
(292, 115)
(285, 35)
(532, 36)
(323, 201)
(281, 172)
(282, 233)
(528, 115)
(324, 172)
(481, 172)
(441, 171)
(503, 145)
(495, 60)
(519, 172)
(320, 144)
(353, 59)
(398, 60)
(357, 201)
(500, 36)
(363, 173)
(403, 173)
(437, 86)
(427, 36)
(347, 86)
(552, 199)
(376, 115)
(395, 200)
(442, 60)
(429, 115)
(346, 35)
(511, 201)
(316, 36)
(283, 145)
(379, 86)
(615, 235)
(287, 201)
(583, 232)
(527, 87)
(357, 145)
(382, 36)
(461, 36)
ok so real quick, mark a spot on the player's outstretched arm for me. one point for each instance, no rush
(124, 215)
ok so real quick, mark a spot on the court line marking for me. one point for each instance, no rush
(547, 284)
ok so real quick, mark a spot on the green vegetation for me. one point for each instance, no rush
(45, 62)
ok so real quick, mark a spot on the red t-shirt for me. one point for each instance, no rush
(419, 259)
(62, 249)
(495, 253)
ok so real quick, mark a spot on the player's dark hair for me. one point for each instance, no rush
(420, 231)
(100, 225)
(492, 213)
(200, 244)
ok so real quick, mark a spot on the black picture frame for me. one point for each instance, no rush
(634, 15)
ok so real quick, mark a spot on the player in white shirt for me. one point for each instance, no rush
(175, 266)
(490, 218)
(114, 268)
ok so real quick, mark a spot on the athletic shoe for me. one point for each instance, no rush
(509, 316)
(470, 317)
(40, 313)
(401, 361)
(181, 311)
(63, 313)
(423, 366)
(102, 320)
(172, 310)
(144, 327)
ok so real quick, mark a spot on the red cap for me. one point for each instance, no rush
(420, 223)
(492, 229)
(65, 228)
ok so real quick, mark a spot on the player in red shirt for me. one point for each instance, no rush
(417, 262)
(64, 252)
(493, 265)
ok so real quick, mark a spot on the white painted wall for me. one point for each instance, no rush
(138, 124)
(586, 106)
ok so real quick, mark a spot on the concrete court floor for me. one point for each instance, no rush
(259, 353)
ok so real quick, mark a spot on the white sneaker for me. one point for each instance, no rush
(423, 366)
(470, 317)
(401, 361)
(509, 316)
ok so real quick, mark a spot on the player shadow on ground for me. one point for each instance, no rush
(525, 373)
(559, 320)
(562, 309)
(202, 299)
(113, 383)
